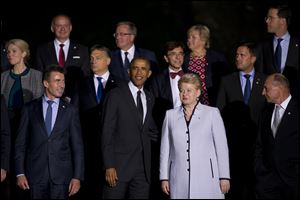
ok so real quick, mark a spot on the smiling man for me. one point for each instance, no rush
(128, 129)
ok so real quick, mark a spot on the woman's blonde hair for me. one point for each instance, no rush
(191, 78)
(203, 32)
(22, 45)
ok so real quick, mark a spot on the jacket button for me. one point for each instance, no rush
(188, 160)
(187, 150)
(187, 141)
(187, 132)
(188, 170)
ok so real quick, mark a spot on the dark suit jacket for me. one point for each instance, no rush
(124, 140)
(278, 156)
(160, 87)
(61, 153)
(116, 66)
(76, 65)
(266, 62)
(216, 68)
(241, 121)
(5, 136)
(231, 91)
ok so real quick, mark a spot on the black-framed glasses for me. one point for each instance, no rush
(121, 34)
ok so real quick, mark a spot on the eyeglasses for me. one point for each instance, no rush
(176, 54)
(270, 18)
(121, 34)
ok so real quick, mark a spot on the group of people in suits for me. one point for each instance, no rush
(101, 107)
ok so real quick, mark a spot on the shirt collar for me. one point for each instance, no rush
(104, 76)
(134, 89)
(285, 103)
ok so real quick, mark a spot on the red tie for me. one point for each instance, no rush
(174, 74)
(61, 56)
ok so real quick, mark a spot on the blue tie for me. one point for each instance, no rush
(48, 118)
(278, 55)
(126, 61)
(247, 89)
(99, 89)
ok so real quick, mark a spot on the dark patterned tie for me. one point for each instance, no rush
(126, 61)
(139, 106)
(174, 74)
(48, 118)
(61, 56)
(247, 90)
(99, 89)
(278, 51)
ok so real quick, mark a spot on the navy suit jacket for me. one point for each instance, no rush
(124, 141)
(76, 65)
(61, 153)
(266, 62)
(278, 156)
(116, 66)
(216, 68)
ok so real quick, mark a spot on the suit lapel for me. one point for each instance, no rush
(167, 84)
(237, 86)
(256, 88)
(40, 116)
(131, 103)
(52, 53)
(60, 116)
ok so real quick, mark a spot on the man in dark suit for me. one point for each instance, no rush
(285, 59)
(240, 110)
(277, 148)
(164, 87)
(5, 140)
(125, 35)
(128, 128)
(75, 59)
(49, 150)
(90, 108)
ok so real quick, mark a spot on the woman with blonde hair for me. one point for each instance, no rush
(194, 162)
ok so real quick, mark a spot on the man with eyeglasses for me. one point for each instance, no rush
(125, 35)
(280, 52)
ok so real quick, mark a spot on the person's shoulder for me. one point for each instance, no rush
(35, 72)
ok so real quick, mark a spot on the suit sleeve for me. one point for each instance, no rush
(21, 142)
(77, 146)
(165, 149)
(220, 142)
(5, 136)
(109, 126)
(221, 98)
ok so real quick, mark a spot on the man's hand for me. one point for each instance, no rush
(111, 177)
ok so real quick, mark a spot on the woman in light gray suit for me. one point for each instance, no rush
(194, 159)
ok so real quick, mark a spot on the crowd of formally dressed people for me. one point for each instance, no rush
(90, 122)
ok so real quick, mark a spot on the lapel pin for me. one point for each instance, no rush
(289, 113)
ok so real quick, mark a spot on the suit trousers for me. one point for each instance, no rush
(48, 190)
(136, 188)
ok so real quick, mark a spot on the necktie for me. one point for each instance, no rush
(276, 119)
(174, 74)
(99, 89)
(48, 118)
(61, 56)
(140, 106)
(278, 55)
(126, 61)
(247, 89)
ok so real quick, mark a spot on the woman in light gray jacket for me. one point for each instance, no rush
(194, 161)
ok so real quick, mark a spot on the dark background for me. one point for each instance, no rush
(157, 21)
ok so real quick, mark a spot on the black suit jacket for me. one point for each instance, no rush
(124, 141)
(5, 136)
(160, 87)
(216, 68)
(231, 91)
(76, 65)
(61, 153)
(278, 156)
(116, 66)
(266, 62)
(241, 121)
